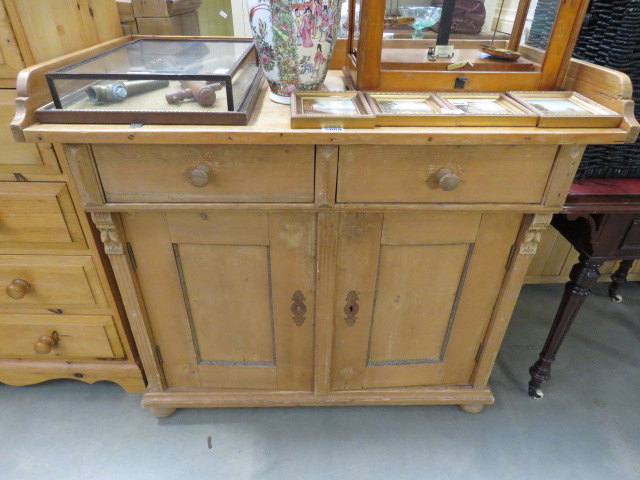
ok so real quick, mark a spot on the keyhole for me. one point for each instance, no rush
(351, 308)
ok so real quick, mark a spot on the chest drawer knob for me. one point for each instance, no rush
(18, 289)
(447, 179)
(199, 175)
(46, 343)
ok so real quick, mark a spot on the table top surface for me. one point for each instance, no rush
(270, 123)
(604, 195)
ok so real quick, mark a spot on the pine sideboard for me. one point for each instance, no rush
(265, 266)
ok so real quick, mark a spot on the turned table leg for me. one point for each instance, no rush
(583, 276)
(618, 278)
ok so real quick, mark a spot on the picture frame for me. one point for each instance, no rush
(331, 110)
(405, 109)
(487, 109)
(566, 109)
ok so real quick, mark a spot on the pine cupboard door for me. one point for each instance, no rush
(414, 295)
(230, 296)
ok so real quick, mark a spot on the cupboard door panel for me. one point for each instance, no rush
(227, 292)
(405, 295)
(416, 311)
(247, 307)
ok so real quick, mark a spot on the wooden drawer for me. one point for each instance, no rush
(21, 157)
(77, 336)
(54, 282)
(243, 173)
(38, 215)
(407, 174)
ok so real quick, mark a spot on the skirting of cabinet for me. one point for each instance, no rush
(19, 373)
(437, 395)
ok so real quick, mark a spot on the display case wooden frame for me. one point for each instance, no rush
(591, 114)
(361, 115)
(238, 109)
(517, 115)
(367, 71)
(439, 115)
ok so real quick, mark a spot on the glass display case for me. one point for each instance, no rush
(444, 45)
(150, 80)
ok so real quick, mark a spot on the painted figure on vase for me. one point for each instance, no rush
(318, 60)
(298, 20)
(317, 15)
(324, 25)
(307, 28)
(330, 11)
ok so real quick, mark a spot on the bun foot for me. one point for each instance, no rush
(163, 412)
(472, 408)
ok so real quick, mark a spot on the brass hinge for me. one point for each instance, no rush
(159, 354)
(511, 255)
(479, 352)
(131, 257)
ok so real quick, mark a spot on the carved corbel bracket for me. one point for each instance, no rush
(529, 245)
(108, 233)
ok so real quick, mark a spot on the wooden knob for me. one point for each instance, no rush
(18, 289)
(199, 175)
(447, 179)
(46, 343)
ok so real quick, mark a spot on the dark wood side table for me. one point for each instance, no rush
(601, 219)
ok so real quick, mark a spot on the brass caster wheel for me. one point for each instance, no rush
(616, 298)
(535, 393)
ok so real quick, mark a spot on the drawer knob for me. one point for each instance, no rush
(447, 179)
(18, 289)
(46, 343)
(199, 175)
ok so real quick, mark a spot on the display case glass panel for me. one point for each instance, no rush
(158, 81)
(448, 39)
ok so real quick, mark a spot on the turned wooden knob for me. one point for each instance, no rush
(18, 289)
(447, 179)
(199, 175)
(46, 343)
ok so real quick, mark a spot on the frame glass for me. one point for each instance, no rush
(404, 109)
(566, 109)
(488, 109)
(330, 110)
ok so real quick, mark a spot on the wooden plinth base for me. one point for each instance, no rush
(456, 395)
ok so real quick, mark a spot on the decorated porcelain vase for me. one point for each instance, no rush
(295, 42)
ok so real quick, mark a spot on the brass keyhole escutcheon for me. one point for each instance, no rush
(351, 308)
(298, 308)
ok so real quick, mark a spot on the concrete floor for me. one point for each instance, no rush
(586, 427)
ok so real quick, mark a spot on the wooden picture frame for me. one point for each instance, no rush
(420, 109)
(487, 109)
(331, 110)
(566, 109)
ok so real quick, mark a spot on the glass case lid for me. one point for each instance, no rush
(163, 57)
